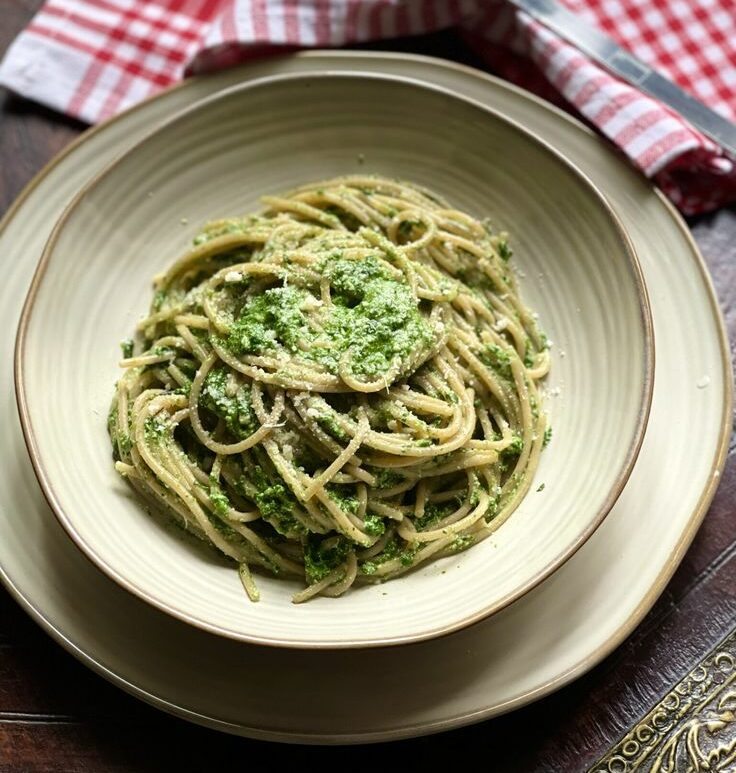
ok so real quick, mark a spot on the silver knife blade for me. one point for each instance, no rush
(600, 47)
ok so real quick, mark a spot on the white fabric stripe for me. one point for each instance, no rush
(63, 26)
(42, 69)
(603, 97)
(213, 37)
(138, 91)
(558, 62)
(157, 13)
(107, 83)
(306, 17)
(125, 5)
(580, 78)
(654, 133)
(362, 25)
(276, 21)
(628, 115)
(93, 13)
(664, 159)
(243, 23)
(338, 18)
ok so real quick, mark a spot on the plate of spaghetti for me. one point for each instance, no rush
(339, 379)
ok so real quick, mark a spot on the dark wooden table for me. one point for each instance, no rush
(55, 715)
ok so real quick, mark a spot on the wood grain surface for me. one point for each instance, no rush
(55, 715)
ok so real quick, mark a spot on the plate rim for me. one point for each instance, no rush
(687, 533)
(327, 641)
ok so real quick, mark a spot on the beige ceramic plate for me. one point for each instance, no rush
(555, 633)
(215, 161)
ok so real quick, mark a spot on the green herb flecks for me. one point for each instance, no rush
(504, 250)
(121, 441)
(374, 525)
(343, 497)
(513, 449)
(126, 347)
(434, 512)
(374, 320)
(462, 542)
(386, 478)
(218, 498)
(497, 359)
(236, 410)
(393, 550)
(273, 498)
(159, 298)
(323, 555)
(328, 423)
(155, 429)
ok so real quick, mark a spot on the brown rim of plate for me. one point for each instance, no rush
(622, 477)
(587, 662)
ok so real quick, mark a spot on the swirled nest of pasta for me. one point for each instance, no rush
(338, 389)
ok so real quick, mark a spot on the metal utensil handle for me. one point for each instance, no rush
(600, 47)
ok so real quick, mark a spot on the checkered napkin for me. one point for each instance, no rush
(92, 58)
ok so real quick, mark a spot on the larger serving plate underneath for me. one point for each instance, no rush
(541, 642)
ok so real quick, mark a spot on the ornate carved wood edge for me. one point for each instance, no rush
(693, 728)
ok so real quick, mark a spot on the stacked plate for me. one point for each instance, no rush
(635, 461)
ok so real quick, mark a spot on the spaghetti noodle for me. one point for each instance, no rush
(338, 389)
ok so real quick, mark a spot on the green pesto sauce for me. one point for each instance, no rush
(374, 525)
(494, 505)
(504, 250)
(329, 425)
(236, 410)
(121, 441)
(374, 318)
(406, 228)
(126, 347)
(218, 498)
(406, 557)
(392, 550)
(159, 298)
(273, 499)
(343, 498)
(162, 351)
(230, 227)
(497, 359)
(462, 543)
(154, 429)
(386, 478)
(513, 449)
(184, 389)
(319, 561)
(528, 353)
(124, 443)
(508, 456)
(346, 218)
(434, 512)
(276, 506)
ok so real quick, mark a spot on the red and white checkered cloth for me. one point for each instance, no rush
(92, 58)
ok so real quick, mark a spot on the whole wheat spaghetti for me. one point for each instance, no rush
(338, 389)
